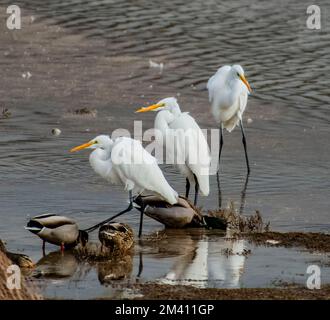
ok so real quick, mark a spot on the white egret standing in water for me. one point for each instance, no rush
(125, 162)
(228, 94)
(185, 141)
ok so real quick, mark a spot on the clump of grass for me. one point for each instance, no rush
(240, 223)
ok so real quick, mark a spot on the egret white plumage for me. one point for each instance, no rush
(228, 94)
(125, 162)
(185, 143)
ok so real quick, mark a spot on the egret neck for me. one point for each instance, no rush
(99, 159)
(162, 121)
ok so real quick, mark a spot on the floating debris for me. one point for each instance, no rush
(5, 113)
(153, 64)
(56, 132)
(26, 75)
(249, 120)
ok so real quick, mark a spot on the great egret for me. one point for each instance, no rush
(228, 94)
(125, 162)
(184, 142)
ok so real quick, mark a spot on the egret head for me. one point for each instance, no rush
(101, 141)
(169, 104)
(238, 73)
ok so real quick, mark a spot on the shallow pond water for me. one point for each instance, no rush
(96, 54)
(204, 259)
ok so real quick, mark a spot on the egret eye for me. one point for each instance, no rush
(95, 142)
(238, 74)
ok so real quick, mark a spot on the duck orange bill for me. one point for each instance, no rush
(82, 146)
(246, 82)
(150, 108)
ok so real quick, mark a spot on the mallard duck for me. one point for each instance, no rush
(180, 215)
(21, 260)
(57, 230)
(117, 237)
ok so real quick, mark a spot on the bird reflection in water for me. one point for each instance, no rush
(203, 259)
(65, 265)
(56, 265)
(118, 268)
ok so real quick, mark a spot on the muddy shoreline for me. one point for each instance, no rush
(177, 292)
(312, 241)
(316, 242)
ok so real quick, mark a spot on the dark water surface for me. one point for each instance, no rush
(96, 54)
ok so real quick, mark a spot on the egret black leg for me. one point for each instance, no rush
(187, 187)
(141, 220)
(243, 194)
(245, 148)
(140, 264)
(221, 144)
(219, 190)
(130, 207)
(43, 247)
(196, 190)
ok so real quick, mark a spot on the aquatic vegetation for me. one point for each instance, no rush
(240, 223)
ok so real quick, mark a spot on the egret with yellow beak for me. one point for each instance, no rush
(185, 143)
(125, 162)
(228, 94)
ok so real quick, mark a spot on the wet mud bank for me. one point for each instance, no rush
(167, 292)
(312, 241)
